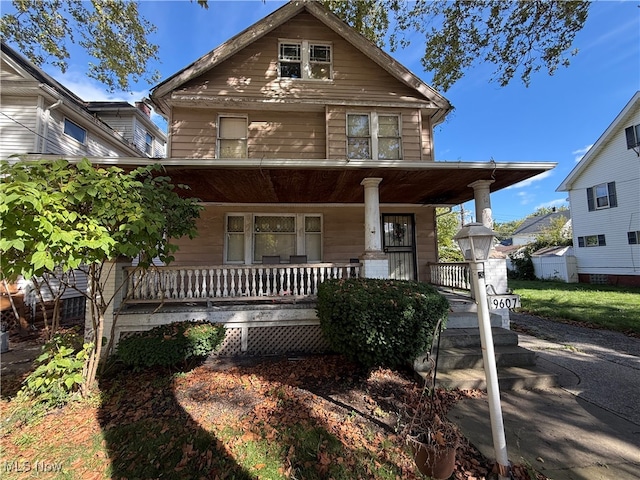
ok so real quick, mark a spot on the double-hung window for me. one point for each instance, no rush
(373, 136)
(602, 196)
(633, 237)
(304, 60)
(232, 137)
(75, 131)
(148, 144)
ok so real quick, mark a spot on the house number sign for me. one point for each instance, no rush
(503, 301)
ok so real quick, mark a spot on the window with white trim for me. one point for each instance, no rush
(232, 137)
(373, 136)
(602, 196)
(249, 237)
(633, 237)
(75, 131)
(304, 60)
(592, 241)
(148, 143)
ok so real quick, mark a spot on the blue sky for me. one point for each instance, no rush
(556, 119)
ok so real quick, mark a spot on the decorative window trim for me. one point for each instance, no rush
(70, 133)
(592, 241)
(305, 59)
(248, 235)
(244, 138)
(374, 134)
(597, 202)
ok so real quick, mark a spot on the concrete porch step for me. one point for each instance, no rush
(471, 357)
(470, 337)
(509, 378)
(470, 320)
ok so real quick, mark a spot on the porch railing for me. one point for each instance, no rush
(228, 282)
(453, 275)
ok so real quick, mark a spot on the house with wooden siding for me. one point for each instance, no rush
(312, 153)
(38, 115)
(604, 195)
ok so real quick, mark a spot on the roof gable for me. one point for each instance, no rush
(618, 123)
(280, 17)
(538, 223)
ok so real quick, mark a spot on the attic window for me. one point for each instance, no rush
(633, 136)
(304, 60)
(75, 131)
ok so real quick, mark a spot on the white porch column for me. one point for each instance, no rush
(482, 197)
(375, 264)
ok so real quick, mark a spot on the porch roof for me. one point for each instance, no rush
(284, 181)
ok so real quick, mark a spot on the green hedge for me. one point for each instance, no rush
(171, 344)
(379, 322)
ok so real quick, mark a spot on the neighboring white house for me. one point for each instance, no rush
(38, 115)
(537, 224)
(604, 195)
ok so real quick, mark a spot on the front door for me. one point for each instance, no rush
(398, 242)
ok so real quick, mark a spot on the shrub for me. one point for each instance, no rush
(58, 373)
(171, 344)
(379, 322)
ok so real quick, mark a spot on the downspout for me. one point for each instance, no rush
(47, 116)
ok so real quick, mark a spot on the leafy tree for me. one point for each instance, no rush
(504, 230)
(448, 224)
(516, 37)
(57, 216)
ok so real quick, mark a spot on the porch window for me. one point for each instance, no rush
(75, 131)
(249, 237)
(232, 137)
(304, 60)
(373, 135)
(602, 196)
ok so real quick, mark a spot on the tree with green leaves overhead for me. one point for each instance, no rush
(518, 38)
(58, 216)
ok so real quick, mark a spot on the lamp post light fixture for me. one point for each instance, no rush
(475, 241)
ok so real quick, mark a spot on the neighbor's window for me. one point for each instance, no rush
(304, 60)
(602, 196)
(75, 131)
(148, 144)
(232, 137)
(633, 136)
(592, 241)
(373, 135)
(634, 238)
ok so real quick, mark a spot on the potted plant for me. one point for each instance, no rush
(434, 443)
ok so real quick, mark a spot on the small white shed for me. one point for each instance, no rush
(555, 263)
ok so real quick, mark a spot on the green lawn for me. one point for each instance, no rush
(603, 306)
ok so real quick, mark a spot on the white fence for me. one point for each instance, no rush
(453, 275)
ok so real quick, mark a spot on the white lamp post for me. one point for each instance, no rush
(475, 241)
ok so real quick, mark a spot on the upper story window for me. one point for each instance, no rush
(633, 136)
(373, 136)
(148, 144)
(602, 196)
(304, 60)
(75, 131)
(232, 137)
(633, 238)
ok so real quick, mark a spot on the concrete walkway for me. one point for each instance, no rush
(588, 428)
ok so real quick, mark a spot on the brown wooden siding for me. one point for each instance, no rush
(252, 72)
(272, 134)
(343, 233)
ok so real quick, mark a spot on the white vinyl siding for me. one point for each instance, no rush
(18, 126)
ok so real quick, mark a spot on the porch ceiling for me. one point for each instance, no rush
(439, 183)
